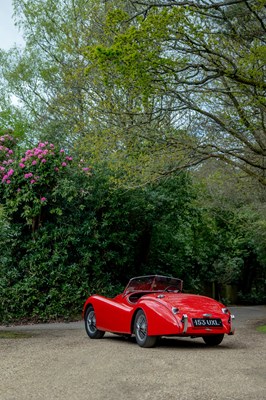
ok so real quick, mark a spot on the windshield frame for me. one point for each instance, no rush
(153, 283)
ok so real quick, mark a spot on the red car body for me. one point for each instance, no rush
(153, 306)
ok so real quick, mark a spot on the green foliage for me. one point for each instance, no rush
(90, 237)
(236, 216)
(142, 86)
(196, 66)
(81, 239)
(28, 183)
(254, 297)
(140, 91)
(38, 261)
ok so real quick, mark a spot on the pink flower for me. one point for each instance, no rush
(32, 181)
(10, 172)
(64, 164)
(43, 160)
(21, 165)
(37, 151)
(34, 162)
(29, 175)
(56, 169)
(62, 151)
(18, 190)
(43, 199)
(40, 145)
(69, 158)
(10, 151)
(86, 169)
(8, 181)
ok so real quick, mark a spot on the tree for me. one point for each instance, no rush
(198, 74)
(46, 77)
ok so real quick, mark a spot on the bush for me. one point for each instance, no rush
(70, 235)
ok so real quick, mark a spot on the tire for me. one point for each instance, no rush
(213, 340)
(90, 324)
(141, 329)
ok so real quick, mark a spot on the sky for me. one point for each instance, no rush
(9, 34)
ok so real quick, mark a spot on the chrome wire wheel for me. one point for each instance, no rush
(141, 327)
(141, 331)
(90, 324)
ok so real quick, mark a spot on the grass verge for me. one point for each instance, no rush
(14, 335)
(262, 328)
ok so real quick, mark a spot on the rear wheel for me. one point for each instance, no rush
(141, 331)
(213, 340)
(90, 324)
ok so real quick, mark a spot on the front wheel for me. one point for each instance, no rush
(90, 324)
(141, 331)
(213, 340)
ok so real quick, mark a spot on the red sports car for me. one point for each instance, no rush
(153, 306)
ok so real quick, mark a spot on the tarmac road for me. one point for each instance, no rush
(60, 362)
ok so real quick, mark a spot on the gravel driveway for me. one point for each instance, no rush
(60, 362)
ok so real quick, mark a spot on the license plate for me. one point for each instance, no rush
(214, 322)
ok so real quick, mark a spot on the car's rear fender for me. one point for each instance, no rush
(161, 320)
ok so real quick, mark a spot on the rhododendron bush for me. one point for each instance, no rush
(42, 194)
(66, 232)
(28, 182)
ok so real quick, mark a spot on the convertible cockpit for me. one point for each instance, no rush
(152, 284)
